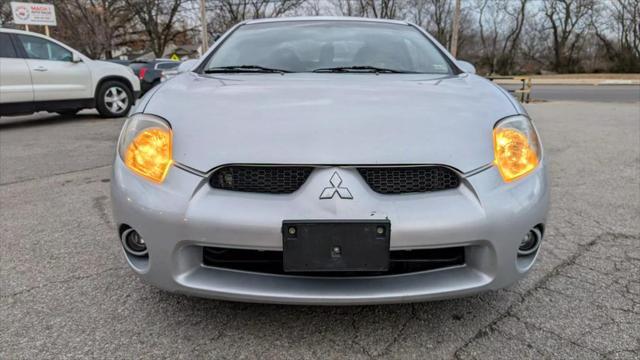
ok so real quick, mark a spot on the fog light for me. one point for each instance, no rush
(133, 243)
(530, 242)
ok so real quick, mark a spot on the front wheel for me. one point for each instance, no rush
(114, 99)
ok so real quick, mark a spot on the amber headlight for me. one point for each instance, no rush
(145, 146)
(516, 147)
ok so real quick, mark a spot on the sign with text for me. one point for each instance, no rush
(33, 14)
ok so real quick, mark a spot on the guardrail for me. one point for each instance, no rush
(523, 94)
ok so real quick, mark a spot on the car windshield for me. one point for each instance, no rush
(328, 46)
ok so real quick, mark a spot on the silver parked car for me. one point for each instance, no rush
(329, 161)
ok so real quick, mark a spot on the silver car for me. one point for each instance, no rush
(329, 161)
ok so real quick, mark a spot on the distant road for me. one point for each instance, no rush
(601, 93)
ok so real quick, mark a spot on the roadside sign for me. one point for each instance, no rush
(33, 14)
(175, 57)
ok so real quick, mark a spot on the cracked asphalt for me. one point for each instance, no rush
(65, 290)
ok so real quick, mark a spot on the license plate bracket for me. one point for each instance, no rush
(330, 246)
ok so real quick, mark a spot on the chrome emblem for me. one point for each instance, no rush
(335, 188)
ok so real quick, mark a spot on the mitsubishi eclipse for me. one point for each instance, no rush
(329, 161)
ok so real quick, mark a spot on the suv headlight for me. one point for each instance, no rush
(145, 146)
(516, 147)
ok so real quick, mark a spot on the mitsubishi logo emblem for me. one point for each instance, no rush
(335, 188)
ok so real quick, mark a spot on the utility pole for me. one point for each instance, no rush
(203, 24)
(455, 30)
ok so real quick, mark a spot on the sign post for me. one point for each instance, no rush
(203, 24)
(34, 14)
(455, 30)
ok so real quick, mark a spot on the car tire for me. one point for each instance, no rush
(114, 99)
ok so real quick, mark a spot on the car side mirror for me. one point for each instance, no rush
(187, 66)
(466, 66)
(76, 58)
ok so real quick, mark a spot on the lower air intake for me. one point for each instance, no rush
(270, 262)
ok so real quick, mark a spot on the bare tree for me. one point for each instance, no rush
(568, 21)
(313, 8)
(5, 13)
(501, 36)
(384, 9)
(226, 13)
(348, 7)
(159, 21)
(500, 24)
(433, 15)
(102, 25)
(533, 47)
(622, 20)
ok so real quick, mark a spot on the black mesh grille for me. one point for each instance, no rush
(400, 262)
(260, 179)
(399, 180)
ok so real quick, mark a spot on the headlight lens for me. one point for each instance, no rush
(145, 146)
(516, 147)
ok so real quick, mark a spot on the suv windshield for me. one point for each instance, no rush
(328, 46)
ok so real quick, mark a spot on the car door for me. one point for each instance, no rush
(54, 74)
(15, 78)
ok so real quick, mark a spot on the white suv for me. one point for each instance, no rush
(38, 73)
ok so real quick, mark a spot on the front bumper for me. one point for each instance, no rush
(184, 214)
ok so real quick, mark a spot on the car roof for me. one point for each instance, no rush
(16, 31)
(42, 36)
(325, 18)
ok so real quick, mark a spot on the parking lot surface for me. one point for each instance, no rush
(67, 292)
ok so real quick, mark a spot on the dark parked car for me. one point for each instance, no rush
(150, 72)
(121, 62)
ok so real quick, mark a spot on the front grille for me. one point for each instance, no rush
(275, 179)
(409, 179)
(270, 262)
(260, 179)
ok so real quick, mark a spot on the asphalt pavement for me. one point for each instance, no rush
(65, 289)
(601, 93)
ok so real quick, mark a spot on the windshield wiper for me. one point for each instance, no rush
(361, 68)
(243, 69)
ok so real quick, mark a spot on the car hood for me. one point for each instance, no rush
(341, 119)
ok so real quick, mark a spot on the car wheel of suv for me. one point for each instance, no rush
(114, 99)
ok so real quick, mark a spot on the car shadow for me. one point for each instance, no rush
(43, 119)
